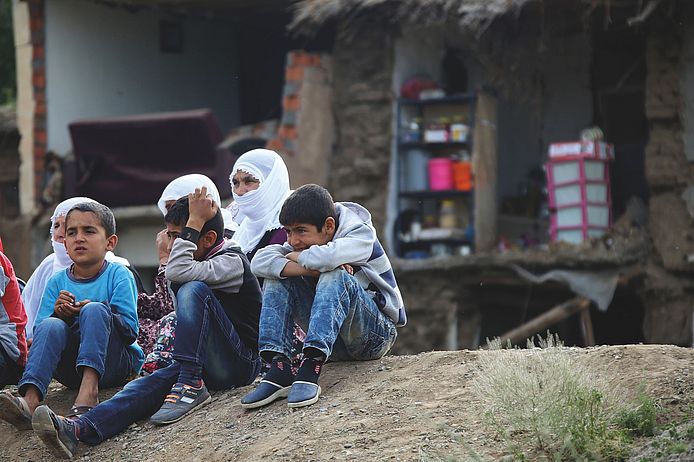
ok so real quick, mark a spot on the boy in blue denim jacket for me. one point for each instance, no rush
(334, 278)
(87, 322)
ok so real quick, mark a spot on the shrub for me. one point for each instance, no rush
(545, 405)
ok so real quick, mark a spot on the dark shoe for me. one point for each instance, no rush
(305, 389)
(56, 432)
(14, 410)
(275, 385)
(182, 400)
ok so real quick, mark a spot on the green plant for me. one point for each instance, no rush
(545, 405)
(641, 419)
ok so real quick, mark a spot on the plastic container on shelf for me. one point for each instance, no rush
(447, 218)
(440, 174)
(416, 170)
(462, 173)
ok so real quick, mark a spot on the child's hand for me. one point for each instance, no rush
(201, 208)
(163, 246)
(66, 306)
(348, 268)
(293, 256)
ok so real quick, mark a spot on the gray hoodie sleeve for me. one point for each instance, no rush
(353, 247)
(223, 272)
(269, 261)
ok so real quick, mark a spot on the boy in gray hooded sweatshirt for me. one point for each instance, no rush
(334, 278)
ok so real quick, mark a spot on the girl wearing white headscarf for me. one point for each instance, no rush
(257, 205)
(259, 208)
(54, 262)
(186, 184)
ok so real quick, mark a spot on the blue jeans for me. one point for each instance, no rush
(204, 335)
(339, 316)
(10, 372)
(61, 350)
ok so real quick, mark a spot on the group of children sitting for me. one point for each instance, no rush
(297, 262)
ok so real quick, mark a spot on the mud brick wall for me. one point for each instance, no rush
(360, 164)
(667, 293)
(363, 69)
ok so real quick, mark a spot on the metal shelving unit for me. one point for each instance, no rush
(416, 199)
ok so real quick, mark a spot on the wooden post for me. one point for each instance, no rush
(484, 165)
(545, 320)
(587, 328)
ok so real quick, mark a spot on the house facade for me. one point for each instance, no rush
(546, 69)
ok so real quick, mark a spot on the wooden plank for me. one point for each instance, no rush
(545, 320)
(484, 164)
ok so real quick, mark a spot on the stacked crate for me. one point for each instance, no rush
(578, 183)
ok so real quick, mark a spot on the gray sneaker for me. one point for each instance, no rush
(182, 400)
(56, 432)
(14, 410)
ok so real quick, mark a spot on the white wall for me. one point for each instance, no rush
(527, 126)
(104, 61)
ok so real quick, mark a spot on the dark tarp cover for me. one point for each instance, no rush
(129, 160)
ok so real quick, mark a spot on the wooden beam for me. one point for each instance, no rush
(484, 164)
(545, 320)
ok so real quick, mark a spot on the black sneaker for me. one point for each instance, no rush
(305, 389)
(14, 410)
(56, 432)
(275, 385)
(182, 400)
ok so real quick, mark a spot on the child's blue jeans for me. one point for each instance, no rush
(340, 318)
(60, 350)
(205, 335)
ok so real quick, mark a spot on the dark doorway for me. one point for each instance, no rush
(619, 74)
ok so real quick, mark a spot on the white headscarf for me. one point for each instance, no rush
(186, 184)
(57, 261)
(259, 210)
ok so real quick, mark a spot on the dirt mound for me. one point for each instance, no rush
(400, 408)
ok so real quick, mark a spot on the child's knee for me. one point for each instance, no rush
(338, 275)
(50, 326)
(192, 289)
(95, 309)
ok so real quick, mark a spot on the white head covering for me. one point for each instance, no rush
(53, 263)
(259, 210)
(60, 257)
(186, 184)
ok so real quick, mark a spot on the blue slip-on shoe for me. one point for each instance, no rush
(305, 389)
(182, 400)
(303, 394)
(275, 385)
(56, 432)
(14, 410)
(265, 393)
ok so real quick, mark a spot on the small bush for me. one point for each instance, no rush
(544, 405)
(639, 420)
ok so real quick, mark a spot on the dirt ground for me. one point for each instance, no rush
(402, 408)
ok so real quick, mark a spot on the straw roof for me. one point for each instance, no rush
(472, 15)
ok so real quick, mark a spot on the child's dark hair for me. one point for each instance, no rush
(178, 215)
(103, 214)
(311, 204)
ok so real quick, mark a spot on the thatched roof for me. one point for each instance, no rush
(472, 15)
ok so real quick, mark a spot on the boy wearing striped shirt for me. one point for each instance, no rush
(334, 279)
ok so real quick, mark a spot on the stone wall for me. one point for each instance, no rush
(363, 69)
(667, 289)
